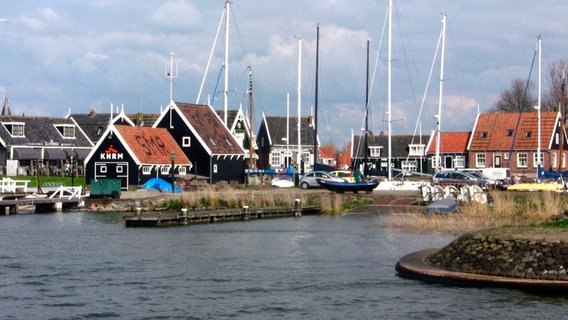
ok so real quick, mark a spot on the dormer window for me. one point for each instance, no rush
(528, 134)
(483, 135)
(416, 150)
(66, 130)
(509, 132)
(16, 129)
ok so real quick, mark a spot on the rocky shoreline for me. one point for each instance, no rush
(523, 252)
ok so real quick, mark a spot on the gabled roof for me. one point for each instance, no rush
(327, 152)
(94, 124)
(209, 128)
(41, 131)
(400, 144)
(276, 128)
(231, 116)
(150, 145)
(450, 142)
(496, 131)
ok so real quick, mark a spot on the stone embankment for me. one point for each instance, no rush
(528, 253)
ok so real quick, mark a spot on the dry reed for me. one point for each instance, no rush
(504, 209)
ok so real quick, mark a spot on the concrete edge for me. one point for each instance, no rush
(413, 266)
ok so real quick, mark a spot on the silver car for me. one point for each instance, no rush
(310, 180)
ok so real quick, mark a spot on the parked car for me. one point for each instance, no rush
(490, 183)
(345, 174)
(456, 178)
(310, 180)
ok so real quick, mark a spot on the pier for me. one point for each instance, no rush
(189, 217)
(62, 198)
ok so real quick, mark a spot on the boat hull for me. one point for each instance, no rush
(341, 187)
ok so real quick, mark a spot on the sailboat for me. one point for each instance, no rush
(558, 185)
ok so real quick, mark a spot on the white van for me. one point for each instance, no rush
(500, 174)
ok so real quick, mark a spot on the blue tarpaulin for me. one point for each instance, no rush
(160, 185)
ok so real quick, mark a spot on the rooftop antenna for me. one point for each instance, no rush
(171, 74)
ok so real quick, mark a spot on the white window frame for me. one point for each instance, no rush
(554, 160)
(480, 160)
(410, 166)
(535, 159)
(215, 168)
(165, 169)
(276, 159)
(186, 142)
(459, 161)
(17, 129)
(522, 160)
(146, 170)
(182, 170)
(67, 131)
(416, 149)
(375, 152)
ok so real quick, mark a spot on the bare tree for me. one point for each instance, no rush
(552, 98)
(513, 99)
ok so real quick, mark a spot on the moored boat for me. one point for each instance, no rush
(341, 187)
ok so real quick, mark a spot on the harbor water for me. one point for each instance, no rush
(86, 265)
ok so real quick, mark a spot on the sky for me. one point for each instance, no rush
(60, 55)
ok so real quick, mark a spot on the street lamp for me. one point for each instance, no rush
(173, 158)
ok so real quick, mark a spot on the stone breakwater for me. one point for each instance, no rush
(522, 255)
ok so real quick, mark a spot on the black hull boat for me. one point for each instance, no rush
(341, 187)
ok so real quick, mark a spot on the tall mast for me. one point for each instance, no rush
(288, 126)
(562, 117)
(538, 107)
(389, 87)
(316, 151)
(439, 115)
(299, 155)
(366, 136)
(171, 74)
(251, 149)
(226, 63)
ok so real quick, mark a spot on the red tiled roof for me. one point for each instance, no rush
(152, 145)
(210, 128)
(496, 131)
(450, 142)
(327, 152)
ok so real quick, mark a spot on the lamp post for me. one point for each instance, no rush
(173, 157)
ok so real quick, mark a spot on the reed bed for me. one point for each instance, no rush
(503, 209)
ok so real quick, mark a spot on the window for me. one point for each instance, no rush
(409, 166)
(119, 169)
(563, 160)
(275, 159)
(16, 129)
(416, 150)
(66, 131)
(459, 162)
(100, 131)
(506, 156)
(103, 169)
(535, 159)
(509, 132)
(522, 160)
(483, 134)
(186, 141)
(182, 170)
(214, 168)
(554, 160)
(375, 151)
(557, 138)
(146, 170)
(165, 170)
(528, 134)
(480, 160)
(435, 161)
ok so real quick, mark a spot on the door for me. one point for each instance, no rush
(497, 161)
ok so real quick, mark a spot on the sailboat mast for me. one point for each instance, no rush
(316, 151)
(389, 87)
(366, 136)
(439, 116)
(251, 149)
(538, 107)
(226, 63)
(562, 117)
(299, 155)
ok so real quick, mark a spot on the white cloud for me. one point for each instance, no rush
(176, 14)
